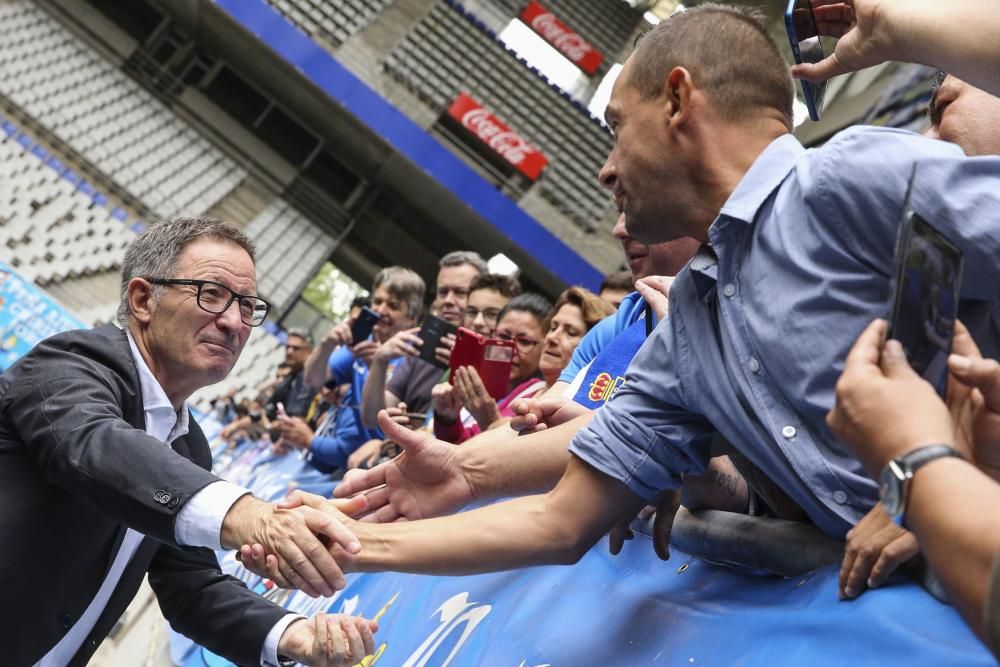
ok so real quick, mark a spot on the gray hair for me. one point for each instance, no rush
(155, 252)
(403, 284)
(304, 334)
(462, 257)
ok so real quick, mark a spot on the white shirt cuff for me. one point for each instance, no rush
(199, 523)
(269, 654)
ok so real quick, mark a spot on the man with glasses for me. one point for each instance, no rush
(488, 294)
(104, 475)
(409, 388)
(294, 394)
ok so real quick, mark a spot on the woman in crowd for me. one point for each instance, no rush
(544, 342)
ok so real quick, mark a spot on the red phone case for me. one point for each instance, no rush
(491, 358)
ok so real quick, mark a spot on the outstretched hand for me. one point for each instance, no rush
(536, 414)
(665, 507)
(328, 640)
(426, 480)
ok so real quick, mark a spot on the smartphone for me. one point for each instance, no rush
(363, 325)
(491, 358)
(431, 332)
(803, 36)
(925, 298)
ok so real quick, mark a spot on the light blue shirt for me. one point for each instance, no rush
(804, 247)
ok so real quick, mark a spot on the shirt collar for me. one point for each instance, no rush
(154, 399)
(764, 176)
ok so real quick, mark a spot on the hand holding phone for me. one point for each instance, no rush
(432, 332)
(804, 39)
(363, 325)
(492, 358)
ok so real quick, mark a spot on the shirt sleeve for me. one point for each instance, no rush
(643, 437)
(269, 654)
(199, 523)
(401, 378)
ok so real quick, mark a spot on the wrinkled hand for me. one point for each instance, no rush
(328, 640)
(425, 481)
(405, 343)
(366, 455)
(295, 431)
(536, 414)
(974, 402)
(864, 38)
(884, 409)
(301, 560)
(875, 548)
(666, 505)
(443, 353)
(655, 290)
(340, 334)
(473, 395)
(365, 351)
(445, 402)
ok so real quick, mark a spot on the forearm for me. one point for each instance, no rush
(373, 396)
(316, 369)
(557, 527)
(499, 464)
(945, 511)
(962, 38)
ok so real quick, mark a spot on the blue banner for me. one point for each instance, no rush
(27, 315)
(631, 609)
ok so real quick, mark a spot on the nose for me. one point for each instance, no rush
(480, 322)
(230, 319)
(619, 231)
(606, 175)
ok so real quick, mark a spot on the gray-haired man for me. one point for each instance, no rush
(104, 474)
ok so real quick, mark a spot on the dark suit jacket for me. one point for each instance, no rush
(76, 468)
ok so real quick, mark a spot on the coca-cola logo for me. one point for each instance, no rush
(555, 31)
(506, 143)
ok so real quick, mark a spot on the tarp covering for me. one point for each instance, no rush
(631, 609)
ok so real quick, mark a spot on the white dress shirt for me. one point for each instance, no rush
(198, 524)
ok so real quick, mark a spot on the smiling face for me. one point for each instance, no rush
(453, 291)
(967, 116)
(566, 328)
(188, 347)
(394, 314)
(639, 170)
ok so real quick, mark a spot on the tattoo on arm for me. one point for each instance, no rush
(729, 483)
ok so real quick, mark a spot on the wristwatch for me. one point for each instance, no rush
(894, 482)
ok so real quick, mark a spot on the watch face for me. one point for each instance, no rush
(890, 487)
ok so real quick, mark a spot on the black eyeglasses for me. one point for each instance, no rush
(216, 298)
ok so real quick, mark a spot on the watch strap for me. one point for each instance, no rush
(913, 461)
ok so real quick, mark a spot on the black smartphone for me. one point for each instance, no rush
(803, 36)
(363, 325)
(431, 332)
(925, 298)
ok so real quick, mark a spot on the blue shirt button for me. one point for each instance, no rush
(729, 290)
(839, 497)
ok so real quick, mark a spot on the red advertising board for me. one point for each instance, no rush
(494, 133)
(560, 36)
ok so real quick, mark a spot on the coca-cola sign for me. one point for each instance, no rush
(559, 35)
(493, 132)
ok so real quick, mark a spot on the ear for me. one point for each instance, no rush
(140, 299)
(679, 91)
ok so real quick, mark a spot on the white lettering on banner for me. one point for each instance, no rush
(506, 143)
(456, 611)
(569, 43)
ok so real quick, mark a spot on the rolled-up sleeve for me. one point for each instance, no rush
(641, 437)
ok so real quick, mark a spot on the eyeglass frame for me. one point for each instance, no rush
(520, 341)
(475, 312)
(233, 295)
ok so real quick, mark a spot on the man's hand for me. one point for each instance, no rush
(403, 343)
(445, 402)
(340, 334)
(332, 640)
(536, 414)
(365, 351)
(426, 480)
(884, 409)
(443, 353)
(666, 505)
(974, 402)
(365, 455)
(295, 431)
(302, 560)
(864, 38)
(875, 548)
(655, 290)
(473, 395)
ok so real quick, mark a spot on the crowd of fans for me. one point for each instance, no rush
(740, 364)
